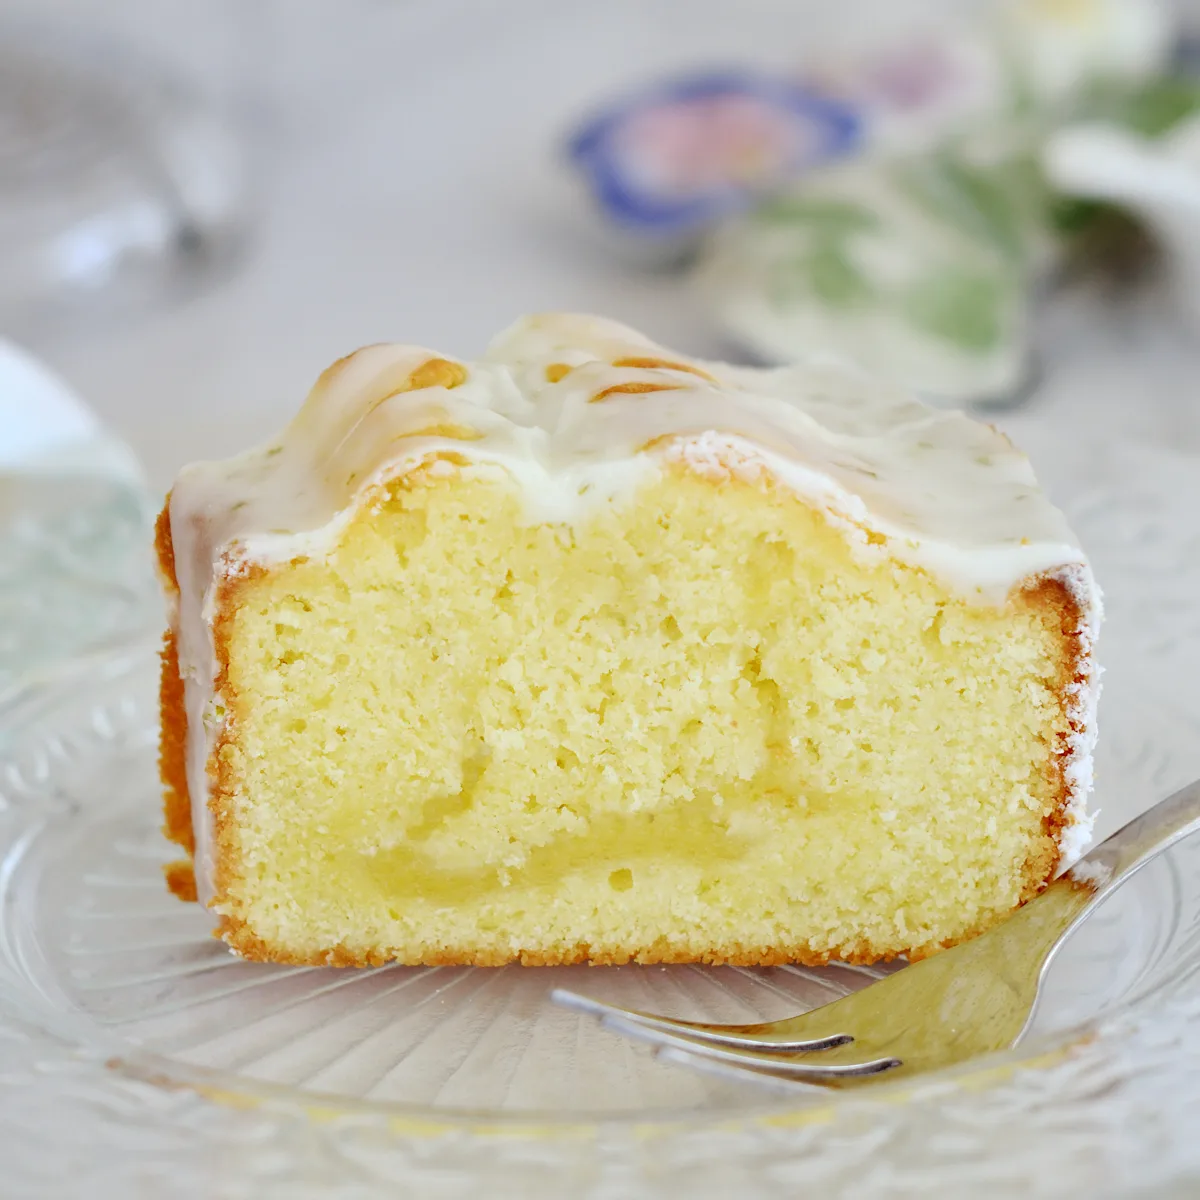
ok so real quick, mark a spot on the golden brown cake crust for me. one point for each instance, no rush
(172, 747)
(239, 936)
(1051, 595)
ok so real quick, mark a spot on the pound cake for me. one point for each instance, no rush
(589, 651)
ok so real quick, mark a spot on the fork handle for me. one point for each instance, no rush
(1109, 864)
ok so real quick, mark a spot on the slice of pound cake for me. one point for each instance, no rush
(588, 651)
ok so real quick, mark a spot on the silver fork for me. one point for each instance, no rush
(975, 998)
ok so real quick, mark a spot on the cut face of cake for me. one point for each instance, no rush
(588, 651)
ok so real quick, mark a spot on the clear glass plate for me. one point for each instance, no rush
(172, 1062)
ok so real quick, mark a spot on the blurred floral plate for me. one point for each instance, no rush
(138, 1056)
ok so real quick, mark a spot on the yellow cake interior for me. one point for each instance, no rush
(694, 726)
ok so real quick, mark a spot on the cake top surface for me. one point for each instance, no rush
(578, 409)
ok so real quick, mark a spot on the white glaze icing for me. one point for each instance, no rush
(948, 494)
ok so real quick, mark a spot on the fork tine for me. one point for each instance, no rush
(770, 1063)
(714, 1035)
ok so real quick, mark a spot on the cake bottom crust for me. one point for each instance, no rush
(247, 944)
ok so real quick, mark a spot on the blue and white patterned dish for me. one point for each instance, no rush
(678, 156)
